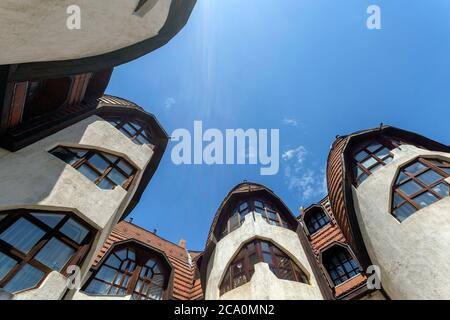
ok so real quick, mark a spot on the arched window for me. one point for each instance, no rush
(105, 170)
(130, 271)
(241, 269)
(34, 243)
(340, 264)
(243, 208)
(138, 132)
(369, 157)
(316, 220)
(418, 185)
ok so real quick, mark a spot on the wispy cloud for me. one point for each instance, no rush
(305, 181)
(170, 101)
(290, 121)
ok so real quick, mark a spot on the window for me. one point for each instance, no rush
(418, 185)
(242, 267)
(130, 271)
(238, 214)
(340, 264)
(105, 170)
(138, 132)
(316, 220)
(32, 244)
(371, 157)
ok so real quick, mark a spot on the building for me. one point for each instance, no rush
(74, 161)
(387, 206)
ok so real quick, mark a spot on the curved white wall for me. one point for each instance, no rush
(264, 284)
(33, 178)
(36, 30)
(414, 255)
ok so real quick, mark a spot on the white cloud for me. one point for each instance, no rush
(290, 122)
(299, 154)
(170, 101)
(305, 181)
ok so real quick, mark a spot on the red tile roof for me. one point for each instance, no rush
(186, 283)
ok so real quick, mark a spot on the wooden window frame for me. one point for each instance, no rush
(120, 122)
(84, 160)
(313, 216)
(243, 257)
(349, 252)
(251, 207)
(429, 166)
(22, 259)
(384, 142)
(142, 256)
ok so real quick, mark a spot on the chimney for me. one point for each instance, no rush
(182, 243)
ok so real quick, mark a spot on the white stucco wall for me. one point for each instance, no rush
(33, 178)
(34, 30)
(264, 284)
(414, 255)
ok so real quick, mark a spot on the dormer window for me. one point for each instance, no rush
(242, 268)
(316, 220)
(340, 264)
(260, 207)
(138, 132)
(106, 170)
(369, 158)
(418, 185)
(130, 270)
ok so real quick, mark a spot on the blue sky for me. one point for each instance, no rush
(309, 68)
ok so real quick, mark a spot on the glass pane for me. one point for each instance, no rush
(243, 206)
(265, 246)
(369, 162)
(88, 172)
(410, 188)
(267, 258)
(6, 264)
(139, 140)
(22, 235)
(158, 280)
(383, 153)
(97, 287)
(425, 199)
(106, 273)
(117, 177)
(122, 254)
(361, 155)
(129, 128)
(397, 200)
(49, 219)
(125, 167)
(64, 155)
(155, 292)
(98, 162)
(110, 157)
(55, 254)
(404, 211)
(374, 147)
(446, 170)
(74, 231)
(113, 261)
(414, 168)
(402, 177)
(442, 189)
(429, 177)
(28, 277)
(106, 184)
(362, 177)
